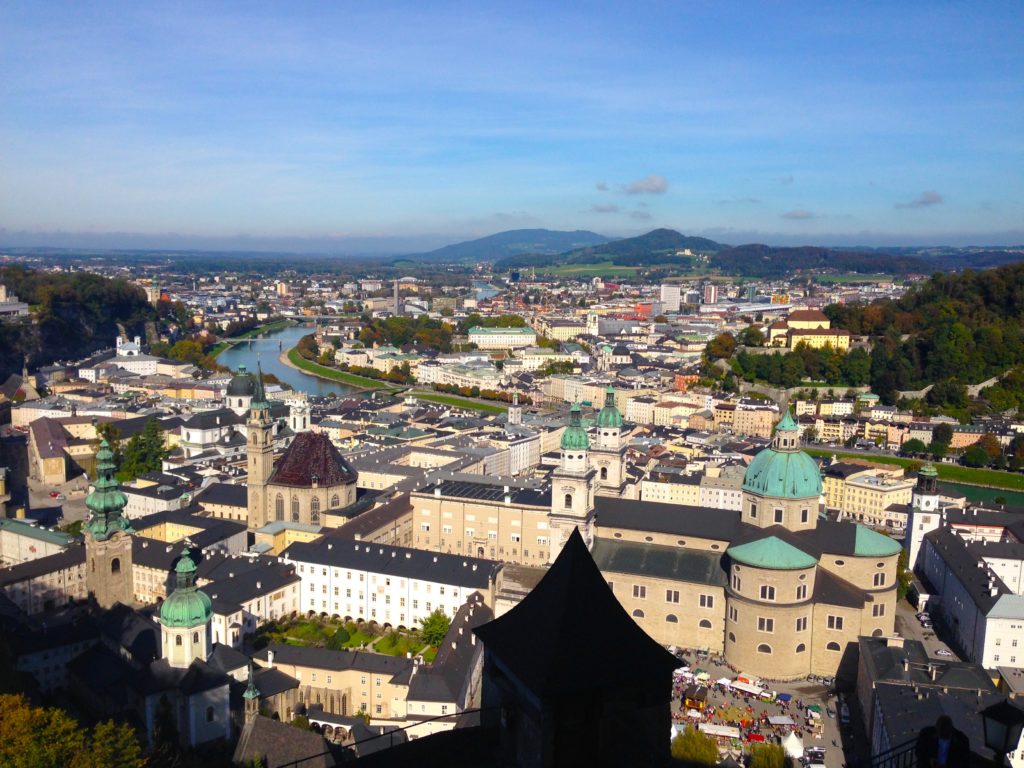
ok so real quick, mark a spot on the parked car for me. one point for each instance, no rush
(926, 624)
(923, 616)
(944, 652)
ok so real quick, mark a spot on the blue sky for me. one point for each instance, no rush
(366, 125)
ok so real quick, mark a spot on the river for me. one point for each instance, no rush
(979, 493)
(485, 291)
(266, 350)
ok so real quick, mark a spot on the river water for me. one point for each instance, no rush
(266, 350)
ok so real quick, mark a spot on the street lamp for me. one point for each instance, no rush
(1003, 725)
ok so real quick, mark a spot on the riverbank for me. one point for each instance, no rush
(293, 359)
(985, 478)
(224, 344)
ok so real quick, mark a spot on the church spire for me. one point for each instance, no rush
(259, 397)
(106, 503)
(251, 697)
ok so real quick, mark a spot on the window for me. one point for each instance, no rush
(611, 585)
(835, 622)
(516, 538)
(195, 637)
(425, 527)
(778, 518)
(734, 615)
(878, 610)
(568, 501)
(801, 592)
(840, 563)
(765, 624)
(295, 509)
(801, 624)
(753, 509)
(671, 596)
(638, 614)
(209, 714)
(639, 591)
(115, 565)
(804, 515)
(832, 647)
(177, 640)
(764, 648)
(672, 619)
(604, 473)
(879, 579)
(335, 501)
(707, 601)
(801, 648)
(736, 583)
(704, 624)
(314, 511)
(279, 507)
(314, 677)
(329, 679)
(767, 592)
(378, 708)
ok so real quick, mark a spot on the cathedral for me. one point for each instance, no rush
(310, 478)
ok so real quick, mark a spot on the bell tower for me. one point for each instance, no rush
(185, 618)
(609, 454)
(260, 455)
(108, 540)
(572, 486)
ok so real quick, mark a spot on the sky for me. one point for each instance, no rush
(355, 126)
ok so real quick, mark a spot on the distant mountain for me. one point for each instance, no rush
(758, 260)
(658, 246)
(513, 243)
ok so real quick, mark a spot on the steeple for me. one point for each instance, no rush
(259, 398)
(251, 697)
(609, 417)
(185, 617)
(575, 437)
(106, 502)
(787, 434)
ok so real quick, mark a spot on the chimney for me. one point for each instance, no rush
(270, 659)
(933, 672)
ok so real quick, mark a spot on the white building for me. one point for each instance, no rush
(502, 338)
(671, 296)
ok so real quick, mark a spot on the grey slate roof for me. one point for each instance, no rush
(658, 561)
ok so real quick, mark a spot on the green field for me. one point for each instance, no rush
(220, 346)
(602, 269)
(951, 472)
(335, 375)
(460, 402)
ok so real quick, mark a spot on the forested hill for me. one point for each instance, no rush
(512, 243)
(73, 315)
(655, 247)
(767, 261)
(962, 328)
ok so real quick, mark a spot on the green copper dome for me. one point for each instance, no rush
(187, 605)
(783, 471)
(928, 470)
(575, 438)
(106, 503)
(609, 417)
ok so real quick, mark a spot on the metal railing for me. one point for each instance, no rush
(901, 756)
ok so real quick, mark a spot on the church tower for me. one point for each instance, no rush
(609, 453)
(108, 540)
(925, 515)
(185, 618)
(260, 427)
(251, 698)
(572, 486)
(515, 411)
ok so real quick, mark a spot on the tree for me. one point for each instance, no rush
(768, 756)
(112, 745)
(913, 446)
(434, 627)
(752, 336)
(721, 347)
(942, 433)
(144, 452)
(991, 445)
(975, 456)
(904, 575)
(938, 450)
(661, 319)
(810, 434)
(695, 747)
(188, 350)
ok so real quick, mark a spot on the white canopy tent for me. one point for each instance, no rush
(793, 745)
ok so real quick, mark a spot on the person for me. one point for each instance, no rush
(943, 746)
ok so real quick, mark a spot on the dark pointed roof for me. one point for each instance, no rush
(540, 641)
(312, 454)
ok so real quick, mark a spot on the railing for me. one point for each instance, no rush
(901, 756)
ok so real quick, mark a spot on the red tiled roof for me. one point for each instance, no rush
(312, 454)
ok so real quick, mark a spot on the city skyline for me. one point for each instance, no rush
(397, 129)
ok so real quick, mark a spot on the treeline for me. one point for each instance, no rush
(790, 369)
(74, 314)
(768, 261)
(399, 331)
(483, 394)
(474, 320)
(400, 375)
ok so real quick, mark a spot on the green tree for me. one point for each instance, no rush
(111, 745)
(768, 756)
(721, 347)
(144, 452)
(434, 627)
(903, 575)
(938, 450)
(913, 446)
(752, 336)
(188, 350)
(975, 456)
(695, 747)
(942, 433)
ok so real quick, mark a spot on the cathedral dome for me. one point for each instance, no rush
(242, 385)
(609, 416)
(187, 605)
(575, 437)
(783, 471)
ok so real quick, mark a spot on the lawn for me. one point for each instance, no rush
(330, 373)
(954, 473)
(601, 269)
(395, 644)
(460, 402)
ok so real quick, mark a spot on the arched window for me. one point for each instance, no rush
(638, 614)
(177, 640)
(279, 507)
(704, 624)
(314, 511)
(115, 565)
(195, 637)
(604, 473)
(801, 648)
(671, 619)
(568, 501)
(335, 501)
(832, 647)
(209, 714)
(295, 509)
(877, 633)
(764, 648)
